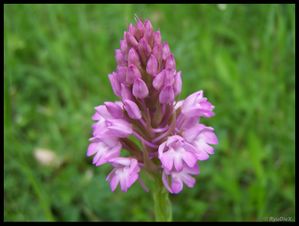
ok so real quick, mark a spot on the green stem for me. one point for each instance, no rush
(162, 204)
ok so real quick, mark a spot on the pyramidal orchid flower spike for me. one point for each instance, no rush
(172, 139)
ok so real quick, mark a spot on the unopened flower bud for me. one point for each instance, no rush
(165, 51)
(133, 57)
(131, 40)
(132, 74)
(114, 83)
(170, 62)
(157, 38)
(167, 95)
(119, 57)
(140, 89)
(152, 65)
(114, 109)
(132, 109)
(177, 87)
(125, 92)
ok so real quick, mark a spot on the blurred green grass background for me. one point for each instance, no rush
(57, 58)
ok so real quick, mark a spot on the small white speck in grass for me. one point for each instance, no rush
(222, 7)
(46, 157)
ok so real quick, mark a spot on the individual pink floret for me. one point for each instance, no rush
(125, 173)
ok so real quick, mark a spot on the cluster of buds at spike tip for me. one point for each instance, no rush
(172, 140)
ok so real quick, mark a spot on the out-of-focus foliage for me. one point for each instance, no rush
(57, 58)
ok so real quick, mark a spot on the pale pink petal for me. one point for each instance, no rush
(193, 170)
(92, 149)
(132, 179)
(114, 182)
(114, 109)
(140, 89)
(178, 164)
(132, 109)
(165, 181)
(189, 159)
(203, 147)
(123, 182)
(159, 80)
(167, 161)
(176, 185)
(161, 149)
(177, 83)
(152, 65)
(209, 137)
(202, 155)
(96, 116)
(188, 180)
(166, 95)
(120, 162)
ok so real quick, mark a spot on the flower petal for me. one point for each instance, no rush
(188, 180)
(176, 185)
(165, 181)
(159, 80)
(166, 95)
(140, 89)
(152, 65)
(209, 137)
(114, 182)
(132, 109)
(189, 159)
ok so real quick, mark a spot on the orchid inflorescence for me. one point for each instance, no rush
(171, 138)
